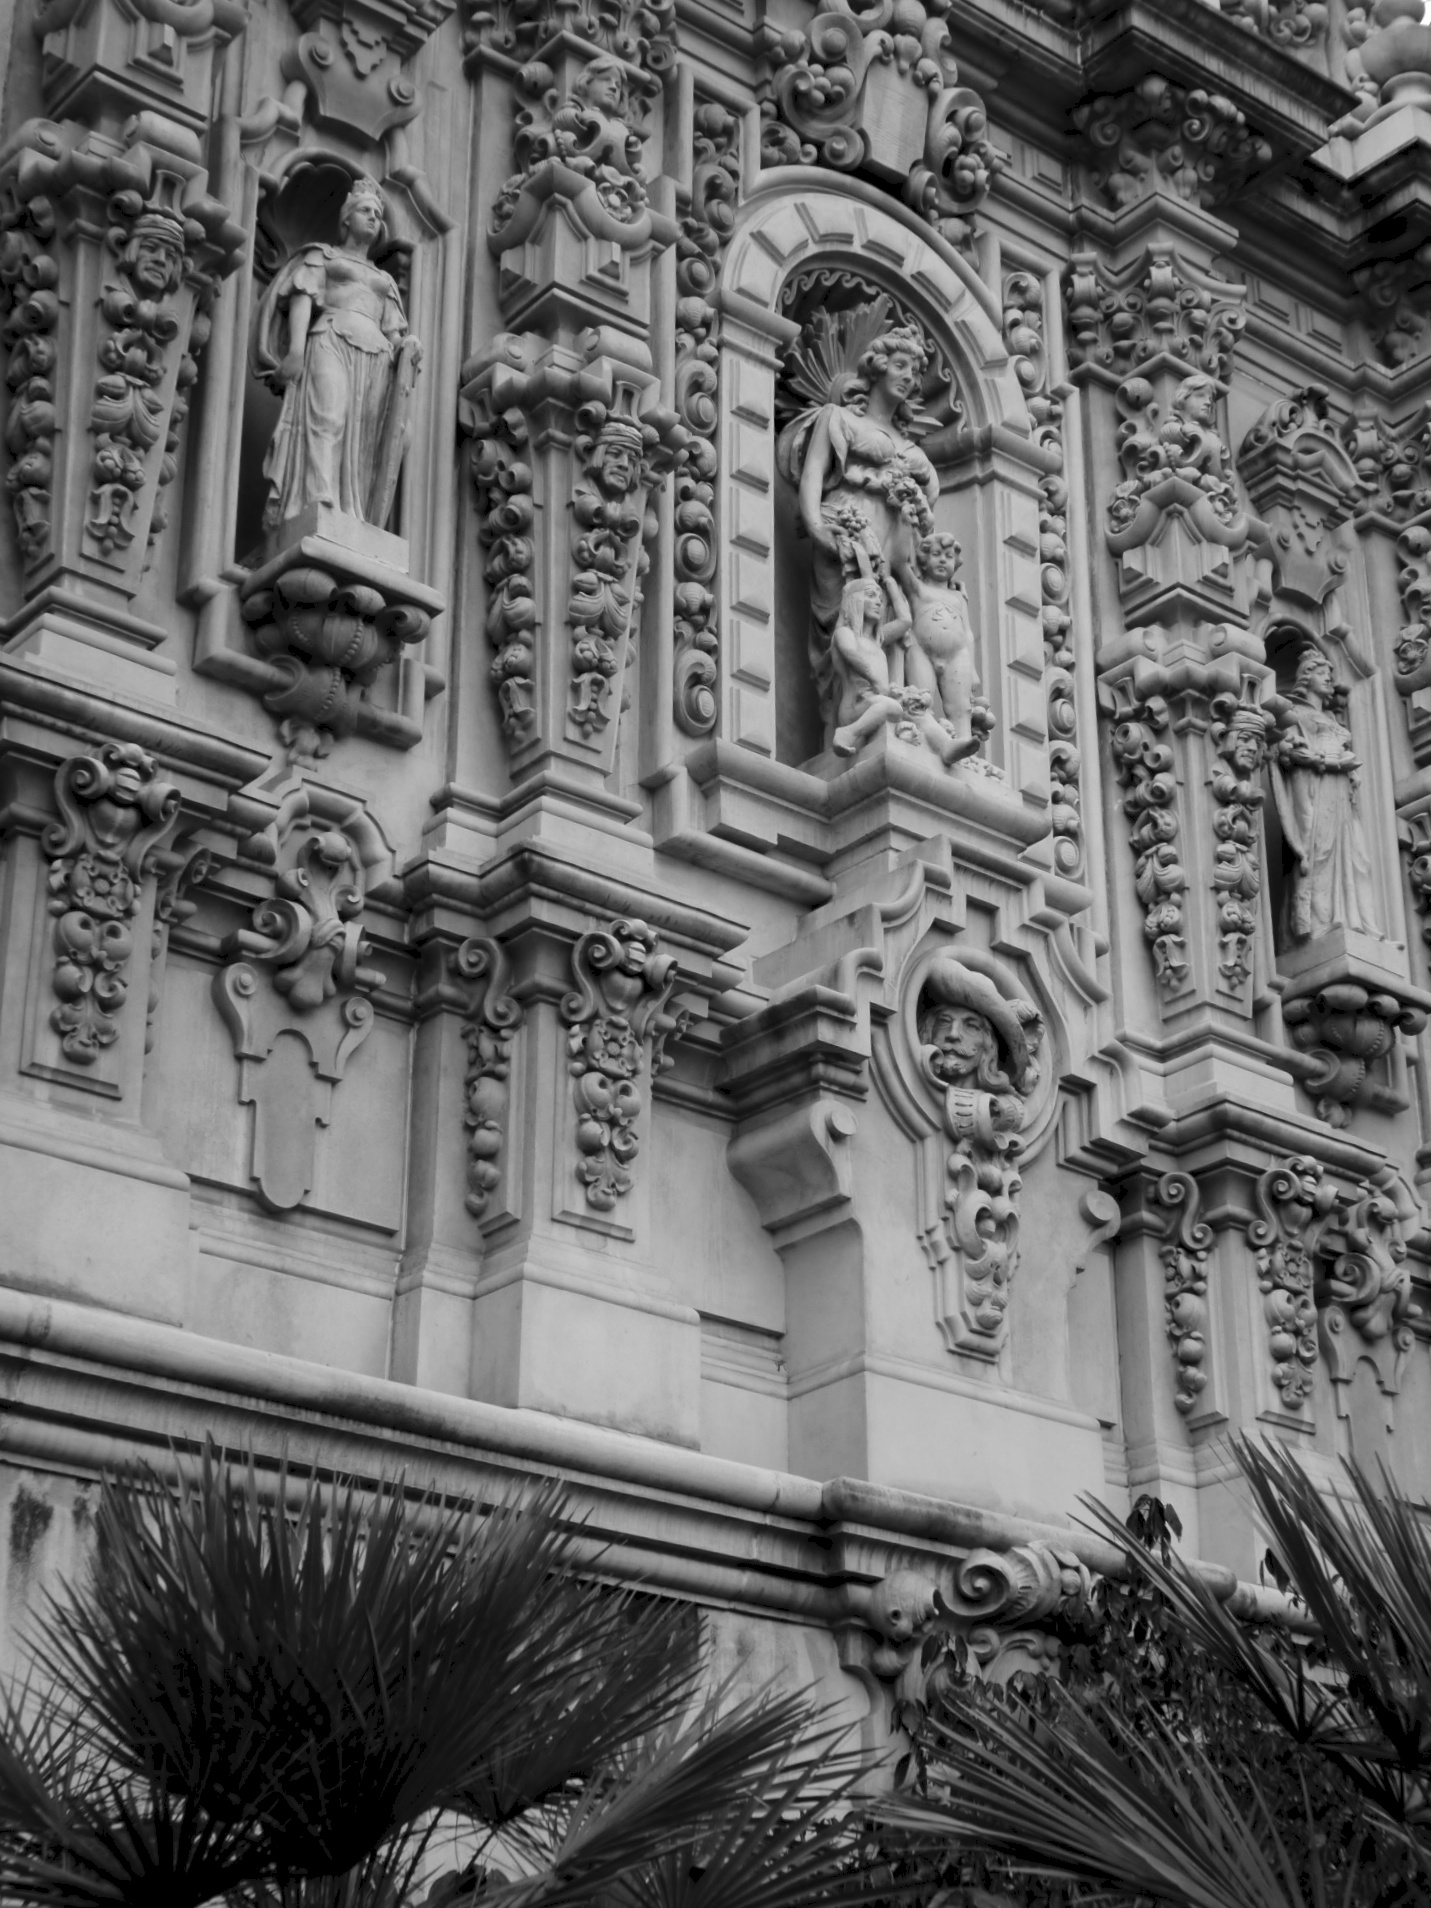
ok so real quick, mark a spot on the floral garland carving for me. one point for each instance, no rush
(1289, 1197)
(29, 280)
(502, 478)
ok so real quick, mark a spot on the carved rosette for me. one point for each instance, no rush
(979, 1051)
(1162, 136)
(109, 261)
(1025, 336)
(293, 994)
(846, 92)
(490, 1032)
(705, 232)
(1185, 1252)
(618, 1027)
(1144, 762)
(116, 813)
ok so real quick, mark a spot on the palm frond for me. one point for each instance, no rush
(1132, 1809)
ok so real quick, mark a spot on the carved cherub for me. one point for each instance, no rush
(940, 658)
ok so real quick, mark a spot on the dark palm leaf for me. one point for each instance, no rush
(1130, 1808)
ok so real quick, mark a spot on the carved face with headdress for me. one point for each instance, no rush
(972, 1037)
(898, 359)
(1314, 681)
(363, 217)
(616, 456)
(153, 259)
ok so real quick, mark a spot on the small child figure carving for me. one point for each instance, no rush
(941, 654)
(860, 652)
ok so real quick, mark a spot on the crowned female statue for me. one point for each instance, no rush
(333, 338)
(1315, 778)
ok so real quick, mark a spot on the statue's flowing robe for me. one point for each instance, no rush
(1331, 884)
(330, 432)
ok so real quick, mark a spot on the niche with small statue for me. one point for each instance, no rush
(876, 640)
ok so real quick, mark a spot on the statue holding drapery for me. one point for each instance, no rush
(866, 495)
(333, 338)
(1317, 786)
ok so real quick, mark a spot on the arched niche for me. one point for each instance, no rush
(798, 223)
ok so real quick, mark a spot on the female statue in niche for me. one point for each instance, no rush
(866, 491)
(1316, 782)
(333, 338)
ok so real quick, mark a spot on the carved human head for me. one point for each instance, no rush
(939, 557)
(898, 359)
(900, 1604)
(602, 86)
(364, 215)
(1314, 680)
(972, 1035)
(616, 455)
(154, 256)
(1196, 399)
(862, 600)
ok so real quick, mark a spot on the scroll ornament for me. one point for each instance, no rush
(980, 1052)
(1159, 304)
(618, 1028)
(1161, 135)
(1343, 1252)
(587, 150)
(116, 813)
(490, 1032)
(1186, 1249)
(295, 1034)
(845, 93)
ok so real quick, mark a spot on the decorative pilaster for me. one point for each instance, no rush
(111, 249)
(1185, 681)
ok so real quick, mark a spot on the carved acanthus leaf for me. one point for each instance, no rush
(1120, 321)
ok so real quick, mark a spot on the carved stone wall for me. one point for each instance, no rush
(715, 771)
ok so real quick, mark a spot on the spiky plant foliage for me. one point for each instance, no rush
(1213, 1764)
(278, 1695)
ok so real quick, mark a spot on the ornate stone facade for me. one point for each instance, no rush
(716, 757)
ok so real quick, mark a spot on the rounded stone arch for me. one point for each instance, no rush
(799, 216)
(796, 218)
